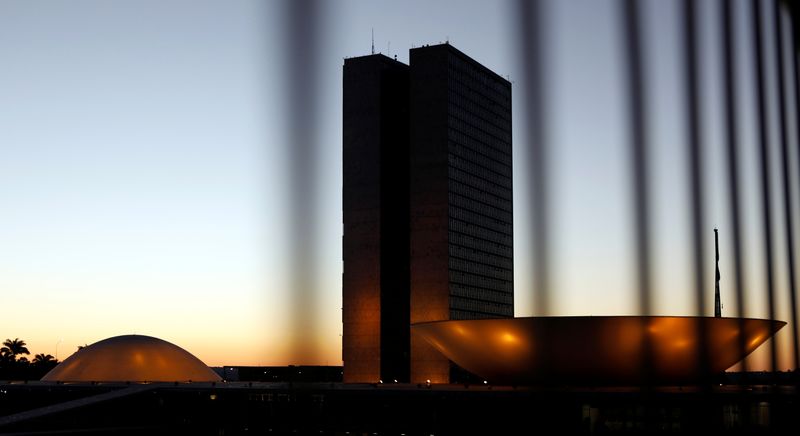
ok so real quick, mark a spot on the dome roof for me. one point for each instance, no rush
(132, 358)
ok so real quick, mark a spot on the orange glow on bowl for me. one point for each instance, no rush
(594, 350)
(133, 358)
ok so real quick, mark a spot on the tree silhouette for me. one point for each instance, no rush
(41, 364)
(43, 359)
(5, 356)
(14, 348)
(15, 366)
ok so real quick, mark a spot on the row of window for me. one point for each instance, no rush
(478, 207)
(471, 163)
(480, 269)
(498, 146)
(481, 104)
(481, 82)
(475, 119)
(476, 218)
(468, 241)
(489, 133)
(460, 68)
(480, 232)
(471, 254)
(460, 145)
(502, 297)
(480, 195)
(481, 281)
(485, 307)
(463, 314)
(481, 142)
(457, 175)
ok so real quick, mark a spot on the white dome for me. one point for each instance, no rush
(132, 358)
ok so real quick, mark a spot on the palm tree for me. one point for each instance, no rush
(5, 356)
(14, 348)
(43, 359)
(42, 363)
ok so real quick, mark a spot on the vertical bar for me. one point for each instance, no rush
(637, 105)
(766, 203)
(794, 37)
(730, 98)
(694, 153)
(531, 26)
(787, 196)
(302, 25)
(794, 14)
(694, 156)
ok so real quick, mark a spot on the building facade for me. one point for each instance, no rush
(445, 182)
(375, 289)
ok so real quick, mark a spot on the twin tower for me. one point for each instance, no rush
(428, 206)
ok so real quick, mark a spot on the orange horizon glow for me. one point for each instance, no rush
(219, 351)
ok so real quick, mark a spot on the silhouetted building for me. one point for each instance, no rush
(427, 204)
(462, 257)
(375, 314)
(281, 374)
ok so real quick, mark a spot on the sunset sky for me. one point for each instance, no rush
(143, 162)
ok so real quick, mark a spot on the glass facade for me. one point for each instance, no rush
(480, 196)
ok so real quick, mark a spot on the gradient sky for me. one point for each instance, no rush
(143, 166)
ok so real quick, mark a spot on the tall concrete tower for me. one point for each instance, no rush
(428, 207)
(375, 289)
(462, 255)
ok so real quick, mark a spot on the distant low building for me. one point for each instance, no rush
(291, 373)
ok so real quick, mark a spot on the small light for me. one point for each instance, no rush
(380, 381)
(395, 380)
(213, 396)
(485, 382)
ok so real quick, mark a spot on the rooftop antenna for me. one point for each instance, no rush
(717, 302)
(373, 40)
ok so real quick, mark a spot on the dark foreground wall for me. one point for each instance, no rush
(329, 408)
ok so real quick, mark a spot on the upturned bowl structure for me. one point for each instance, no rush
(597, 350)
(131, 358)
